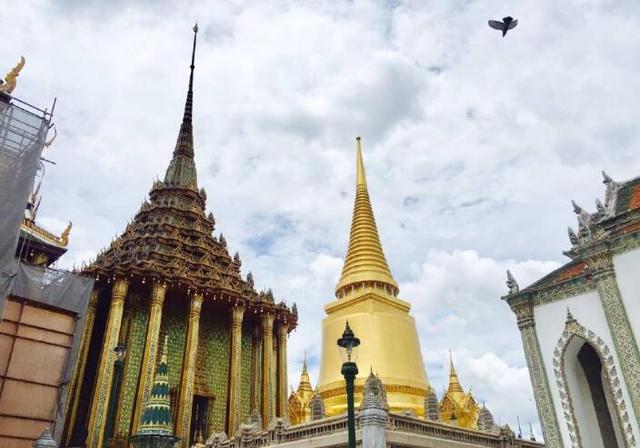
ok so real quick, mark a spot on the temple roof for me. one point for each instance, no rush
(365, 260)
(171, 239)
(617, 217)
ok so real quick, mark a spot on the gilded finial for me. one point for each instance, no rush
(10, 79)
(64, 238)
(361, 178)
(454, 383)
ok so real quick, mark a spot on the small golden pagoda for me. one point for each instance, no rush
(300, 399)
(367, 296)
(457, 407)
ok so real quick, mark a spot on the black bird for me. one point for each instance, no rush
(508, 23)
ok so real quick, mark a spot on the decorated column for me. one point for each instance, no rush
(183, 421)
(267, 353)
(542, 393)
(149, 356)
(282, 370)
(237, 313)
(78, 375)
(256, 378)
(603, 272)
(105, 369)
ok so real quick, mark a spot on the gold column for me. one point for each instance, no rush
(158, 291)
(183, 421)
(237, 313)
(282, 370)
(267, 353)
(105, 369)
(256, 379)
(78, 374)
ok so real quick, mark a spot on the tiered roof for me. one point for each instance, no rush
(171, 237)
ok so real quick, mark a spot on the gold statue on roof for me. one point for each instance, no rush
(9, 82)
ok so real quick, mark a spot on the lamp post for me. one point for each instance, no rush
(348, 344)
(118, 366)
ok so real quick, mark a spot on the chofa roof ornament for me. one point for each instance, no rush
(9, 82)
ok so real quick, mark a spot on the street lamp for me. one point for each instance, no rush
(348, 344)
(118, 366)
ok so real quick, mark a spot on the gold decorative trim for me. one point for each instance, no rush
(32, 228)
(391, 388)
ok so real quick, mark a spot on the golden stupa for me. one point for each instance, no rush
(367, 298)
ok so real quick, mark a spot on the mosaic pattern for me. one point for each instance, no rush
(174, 324)
(574, 329)
(623, 337)
(215, 344)
(245, 374)
(135, 350)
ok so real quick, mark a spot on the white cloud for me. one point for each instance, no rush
(474, 143)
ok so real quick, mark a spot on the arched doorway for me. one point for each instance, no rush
(593, 403)
(591, 397)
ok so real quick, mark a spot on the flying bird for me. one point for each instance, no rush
(508, 23)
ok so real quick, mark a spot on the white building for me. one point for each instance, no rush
(580, 327)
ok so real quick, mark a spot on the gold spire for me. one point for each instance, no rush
(361, 178)
(365, 260)
(454, 384)
(305, 381)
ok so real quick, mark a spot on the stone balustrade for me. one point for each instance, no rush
(402, 431)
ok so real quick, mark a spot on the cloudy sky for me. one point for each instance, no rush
(474, 144)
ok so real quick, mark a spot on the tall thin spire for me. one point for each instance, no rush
(182, 169)
(454, 382)
(361, 178)
(365, 261)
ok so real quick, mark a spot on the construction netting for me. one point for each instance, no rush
(64, 290)
(23, 131)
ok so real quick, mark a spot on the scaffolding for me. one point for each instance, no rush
(23, 130)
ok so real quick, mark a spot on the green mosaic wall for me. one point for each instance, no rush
(175, 314)
(214, 342)
(245, 374)
(139, 313)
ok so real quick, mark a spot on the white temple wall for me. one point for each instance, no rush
(627, 267)
(550, 321)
